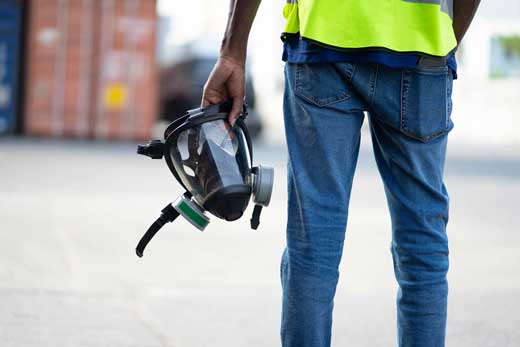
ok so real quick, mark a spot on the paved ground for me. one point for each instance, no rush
(71, 214)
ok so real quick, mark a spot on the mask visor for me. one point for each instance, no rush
(210, 157)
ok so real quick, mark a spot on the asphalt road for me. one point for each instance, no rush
(72, 212)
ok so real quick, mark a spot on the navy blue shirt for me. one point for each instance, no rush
(298, 50)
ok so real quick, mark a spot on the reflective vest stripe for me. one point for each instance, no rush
(446, 5)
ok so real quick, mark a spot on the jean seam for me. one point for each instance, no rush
(432, 71)
(296, 76)
(352, 72)
(317, 103)
(403, 103)
(298, 199)
(374, 86)
(446, 98)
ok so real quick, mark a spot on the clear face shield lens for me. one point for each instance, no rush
(212, 160)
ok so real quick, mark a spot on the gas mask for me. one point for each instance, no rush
(213, 161)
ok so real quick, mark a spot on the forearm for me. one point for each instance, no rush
(463, 13)
(240, 19)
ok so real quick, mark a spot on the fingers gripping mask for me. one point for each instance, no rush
(212, 161)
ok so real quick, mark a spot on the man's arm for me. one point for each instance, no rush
(463, 13)
(227, 80)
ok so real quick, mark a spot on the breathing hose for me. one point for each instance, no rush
(168, 214)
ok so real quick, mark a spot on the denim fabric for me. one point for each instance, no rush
(409, 116)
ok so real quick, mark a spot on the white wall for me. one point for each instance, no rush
(486, 111)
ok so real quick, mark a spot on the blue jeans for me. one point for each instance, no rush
(409, 115)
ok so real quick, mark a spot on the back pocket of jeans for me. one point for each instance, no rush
(426, 102)
(323, 84)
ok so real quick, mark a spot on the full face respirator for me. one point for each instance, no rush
(212, 160)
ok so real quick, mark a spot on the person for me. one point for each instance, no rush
(393, 59)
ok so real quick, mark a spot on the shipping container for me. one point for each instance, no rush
(10, 46)
(91, 69)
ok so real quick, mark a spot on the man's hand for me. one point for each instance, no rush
(226, 81)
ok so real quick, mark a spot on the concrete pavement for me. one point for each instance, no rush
(71, 214)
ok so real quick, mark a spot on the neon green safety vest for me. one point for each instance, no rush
(418, 26)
